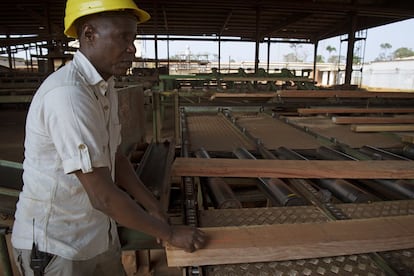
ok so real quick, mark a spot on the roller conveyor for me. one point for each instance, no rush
(360, 264)
(261, 133)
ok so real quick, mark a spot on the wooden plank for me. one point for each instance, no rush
(251, 78)
(281, 242)
(222, 167)
(382, 128)
(372, 120)
(243, 95)
(342, 94)
(407, 138)
(337, 110)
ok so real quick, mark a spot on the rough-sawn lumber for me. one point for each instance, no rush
(372, 120)
(382, 128)
(242, 95)
(350, 110)
(408, 138)
(341, 94)
(280, 242)
(223, 167)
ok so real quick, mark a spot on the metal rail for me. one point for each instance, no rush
(190, 193)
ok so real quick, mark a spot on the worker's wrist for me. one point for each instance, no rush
(169, 234)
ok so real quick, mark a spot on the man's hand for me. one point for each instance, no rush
(187, 238)
(163, 216)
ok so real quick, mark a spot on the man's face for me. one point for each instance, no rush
(113, 48)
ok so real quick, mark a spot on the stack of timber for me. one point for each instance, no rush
(342, 94)
(355, 110)
(375, 119)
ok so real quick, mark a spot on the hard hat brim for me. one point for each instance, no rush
(142, 16)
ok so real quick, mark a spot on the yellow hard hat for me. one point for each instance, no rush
(75, 9)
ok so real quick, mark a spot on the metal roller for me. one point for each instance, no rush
(342, 189)
(380, 154)
(345, 191)
(275, 189)
(392, 189)
(220, 192)
(408, 151)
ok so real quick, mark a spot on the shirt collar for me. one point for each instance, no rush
(88, 71)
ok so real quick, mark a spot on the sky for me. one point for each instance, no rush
(396, 34)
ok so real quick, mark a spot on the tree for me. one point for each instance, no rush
(320, 59)
(336, 59)
(356, 60)
(331, 49)
(295, 47)
(403, 52)
(385, 47)
(291, 57)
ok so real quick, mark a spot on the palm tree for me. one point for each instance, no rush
(384, 54)
(330, 49)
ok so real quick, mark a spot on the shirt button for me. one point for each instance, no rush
(81, 146)
(106, 107)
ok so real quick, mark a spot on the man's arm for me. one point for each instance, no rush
(126, 178)
(106, 197)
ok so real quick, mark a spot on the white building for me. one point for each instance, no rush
(392, 75)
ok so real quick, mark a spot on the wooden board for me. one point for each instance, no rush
(382, 128)
(350, 110)
(222, 167)
(251, 78)
(373, 120)
(280, 242)
(243, 95)
(408, 138)
(342, 94)
(324, 127)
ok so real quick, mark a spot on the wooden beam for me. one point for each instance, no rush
(243, 95)
(342, 94)
(222, 167)
(281, 242)
(408, 138)
(338, 110)
(264, 78)
(372, 120)
(382, 128)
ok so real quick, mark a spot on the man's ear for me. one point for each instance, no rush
(88, 32)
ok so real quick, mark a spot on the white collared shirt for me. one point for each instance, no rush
(72, 124)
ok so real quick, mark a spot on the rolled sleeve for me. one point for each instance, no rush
(77, 128)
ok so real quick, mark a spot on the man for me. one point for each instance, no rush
(73, 175)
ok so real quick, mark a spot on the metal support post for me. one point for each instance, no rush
(156, 120)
